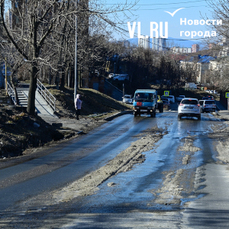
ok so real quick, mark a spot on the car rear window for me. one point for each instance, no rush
(209, 102)
(189, 101)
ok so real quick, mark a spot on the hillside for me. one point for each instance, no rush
(20, 132)
(94, 102)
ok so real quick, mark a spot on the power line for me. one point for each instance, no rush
(158, 4)
(187, 7)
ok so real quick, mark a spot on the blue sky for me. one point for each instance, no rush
(154, 11)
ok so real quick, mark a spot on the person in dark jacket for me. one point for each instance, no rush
(78, 105)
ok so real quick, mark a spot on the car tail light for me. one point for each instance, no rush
(181, 104)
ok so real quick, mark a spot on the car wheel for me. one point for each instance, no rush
(135, 114)
(179, 117)
(153, 114)
(199, 117)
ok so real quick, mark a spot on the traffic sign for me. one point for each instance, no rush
(227, 95)
(166, 93)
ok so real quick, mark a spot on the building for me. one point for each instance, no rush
(144, 42)
(189, 66)
(159, 44)
(211, 45)
(200, 67)
(126, 44)
(203, 68)
(224, 49)
(181, 50)
(195, 48)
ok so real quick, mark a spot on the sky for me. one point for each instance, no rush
(148, 11)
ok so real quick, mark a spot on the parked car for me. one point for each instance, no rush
(166, 103)
(190, 85)
(209, 97)
(180, 97)
(127, 99)
(111, 75)
(170, 97)
(121, 77)
(207, 105)
(189, 107)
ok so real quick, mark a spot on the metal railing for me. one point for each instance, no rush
(11, 93)
(45, 93)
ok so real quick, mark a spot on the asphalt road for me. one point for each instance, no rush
(181, 183)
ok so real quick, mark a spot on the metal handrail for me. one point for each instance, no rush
(45, 93)
(11, 93)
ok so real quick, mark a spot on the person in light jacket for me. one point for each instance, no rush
(78, 105)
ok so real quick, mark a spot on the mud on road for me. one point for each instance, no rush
(89, 184)
(177, 184)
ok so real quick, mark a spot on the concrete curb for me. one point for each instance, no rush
(117, 115)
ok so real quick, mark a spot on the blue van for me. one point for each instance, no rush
(145, 102)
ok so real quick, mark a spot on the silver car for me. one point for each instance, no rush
(189, 107)
(127, 99)
(207, 105)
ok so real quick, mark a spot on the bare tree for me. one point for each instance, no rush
(42, 33)
(220, 11)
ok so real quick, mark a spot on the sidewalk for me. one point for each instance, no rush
(222, 111)
(220, 106)
(84, 124)
(224, 114)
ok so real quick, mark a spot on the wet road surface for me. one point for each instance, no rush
(179, 185)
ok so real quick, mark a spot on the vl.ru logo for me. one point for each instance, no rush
(157, 30)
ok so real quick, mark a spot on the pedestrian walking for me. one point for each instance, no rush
(78, 105)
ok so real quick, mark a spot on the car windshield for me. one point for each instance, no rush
(189, 101)
(147, 97)
(127, 96)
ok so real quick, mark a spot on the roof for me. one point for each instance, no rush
(205, 59)
(145, 90)
(186, 98)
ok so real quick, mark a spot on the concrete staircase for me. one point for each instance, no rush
(43, 108)
(22, 96)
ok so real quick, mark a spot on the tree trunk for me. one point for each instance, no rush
(32, 91)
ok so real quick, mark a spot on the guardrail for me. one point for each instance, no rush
(45, 93)
(11, 93)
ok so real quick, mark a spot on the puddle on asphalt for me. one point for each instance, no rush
(132, 186)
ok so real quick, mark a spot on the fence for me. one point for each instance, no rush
(11, 93)
(45, 93)
(112, 91)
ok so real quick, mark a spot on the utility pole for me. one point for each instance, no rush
(6, 86)
(76, 76)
